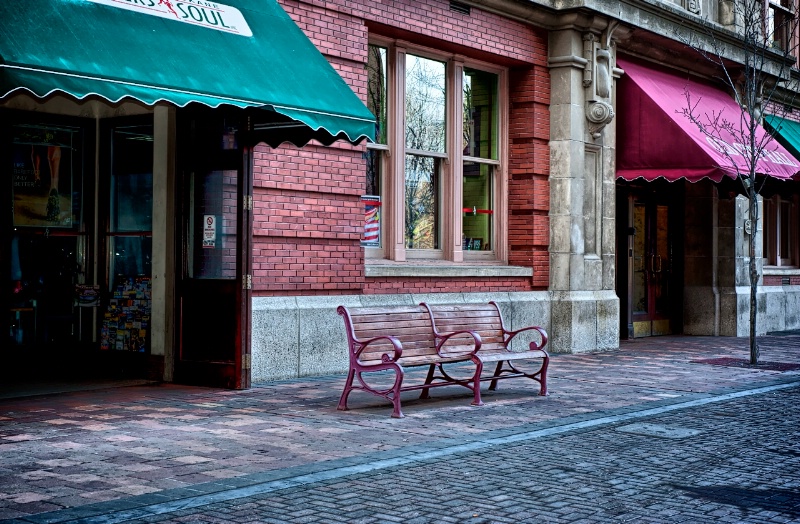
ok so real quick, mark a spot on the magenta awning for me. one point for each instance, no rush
(655, 139)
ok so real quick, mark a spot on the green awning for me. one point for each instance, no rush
(242, 53)
(787, 133)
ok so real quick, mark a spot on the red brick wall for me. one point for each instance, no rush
(777, 280)
(529, 168)
(307, 213)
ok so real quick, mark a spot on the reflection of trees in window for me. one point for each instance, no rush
(373, 159)
(376, 89)
(425, 104)
(422, 202)
(425, 132)
(480, 114)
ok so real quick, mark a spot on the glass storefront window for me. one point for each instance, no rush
(125, 322)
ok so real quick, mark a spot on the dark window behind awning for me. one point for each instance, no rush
(241, 53)
(655, 139)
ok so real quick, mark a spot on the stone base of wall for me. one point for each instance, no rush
(304, 336)
(726, 311)
(782, 308)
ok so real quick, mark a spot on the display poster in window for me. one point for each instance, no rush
(209, 231)
(87, 295)
(42, 175)
(372, 221)
(126, 321)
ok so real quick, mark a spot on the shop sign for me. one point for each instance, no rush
(211, 15)
(209, 231)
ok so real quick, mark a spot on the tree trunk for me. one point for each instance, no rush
(752, 195)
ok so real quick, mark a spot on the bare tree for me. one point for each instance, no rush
(759, 76)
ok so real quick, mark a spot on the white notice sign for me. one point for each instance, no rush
(209, 231)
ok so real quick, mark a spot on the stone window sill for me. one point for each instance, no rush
(443, 270)
(781, 271)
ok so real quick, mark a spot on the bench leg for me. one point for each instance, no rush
(348, 387)
(476, 384)
(493, 384)
(543, 376)
(398, 382)
(426, 391)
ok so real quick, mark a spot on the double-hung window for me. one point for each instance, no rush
(434, 176)
(780, 232)
(778, 22)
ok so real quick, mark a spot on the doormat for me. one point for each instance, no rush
(745, 363)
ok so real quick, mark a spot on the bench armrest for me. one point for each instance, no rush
(442, 338)
(534, 346)
(360, 346)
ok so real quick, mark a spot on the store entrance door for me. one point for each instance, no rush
(652, 266)
(213, 292)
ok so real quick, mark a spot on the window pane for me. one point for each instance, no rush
(132, 179)
(372, 199)
(376, 90)
(785, 231)
(130, 257)
(478, 210)
(480, 114)
(373, 159)
(769, 226)
(213, 225)
(425, 104)
(422, 202)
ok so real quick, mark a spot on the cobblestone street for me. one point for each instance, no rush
(731, 461)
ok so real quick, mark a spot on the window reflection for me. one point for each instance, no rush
(480, 114)
(425, 104)
(422, 193)
(376, 90)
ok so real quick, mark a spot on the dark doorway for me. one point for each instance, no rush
(649, 276)
(213, 285)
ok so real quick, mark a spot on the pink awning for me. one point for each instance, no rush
(655, 139)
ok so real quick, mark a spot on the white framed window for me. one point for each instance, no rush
(438, 165)
(778, 22)
(781, 231)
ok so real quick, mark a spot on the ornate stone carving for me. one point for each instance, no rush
(599, 114)
(603, 59)
(694, 6)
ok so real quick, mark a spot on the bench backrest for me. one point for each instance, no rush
(410, 324)
(484, 319)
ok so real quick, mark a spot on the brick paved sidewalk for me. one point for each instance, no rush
(76, 449)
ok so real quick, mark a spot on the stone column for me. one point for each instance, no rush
(163, 291)
(585, 308)
(734, 233)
